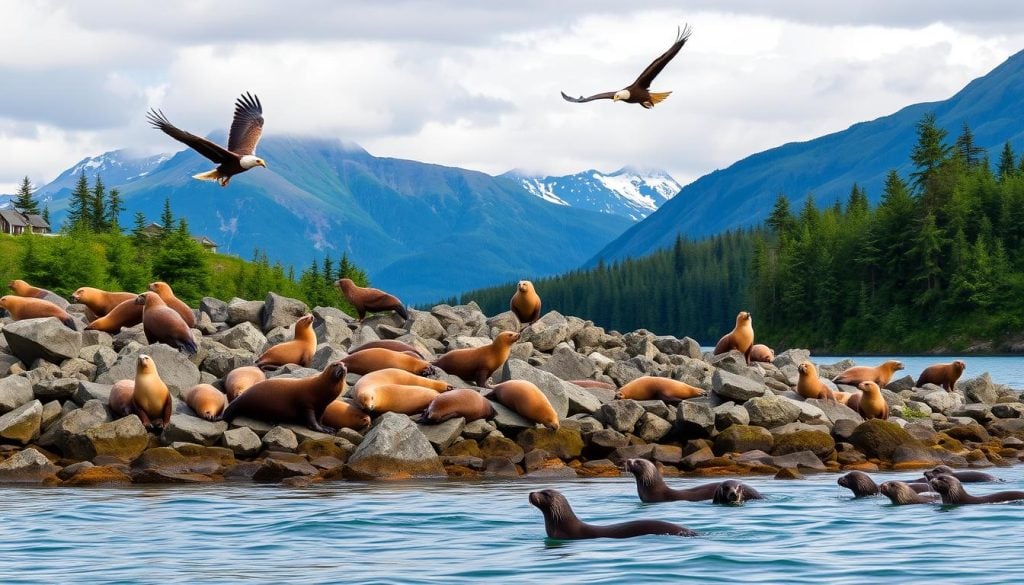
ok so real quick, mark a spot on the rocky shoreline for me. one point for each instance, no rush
(56, 428)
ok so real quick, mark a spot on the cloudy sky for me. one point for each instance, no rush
(475, 84)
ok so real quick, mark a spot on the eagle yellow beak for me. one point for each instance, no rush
(615, 98)
(263, 163)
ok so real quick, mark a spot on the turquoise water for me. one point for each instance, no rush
(1007, 370)
(808, 531)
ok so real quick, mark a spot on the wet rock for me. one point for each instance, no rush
(817, 442)
(879, 438)
(274, 469)
(478, 429)
(46, 338)
(608, 439)
(742, 438)
(125, 438)
(501, 447)
(394, 448)
(15, 391)
(499, 467)
(798, 460)
(28, 466)
(74, 423)
(22, 424)
(443, 434)
(770, 411)
(621, 415)
(731, 386)
(562, 442)
(242, 441)
(1008, 410)
(508, 421)
(697, 458)
(280, 439)
(971, 431)
(632, 452)
(334, 447)
(191, 429)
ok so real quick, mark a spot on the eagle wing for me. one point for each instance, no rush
(652, 71)
(247, 125)
(597, 96)
(210, 150)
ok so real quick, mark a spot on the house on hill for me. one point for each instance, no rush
(14, 222)
(154, 229)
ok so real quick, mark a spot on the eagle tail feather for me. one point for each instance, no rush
(657, 98)
(213, 175)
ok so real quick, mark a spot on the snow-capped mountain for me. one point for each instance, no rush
(117, 168)
(628, 192)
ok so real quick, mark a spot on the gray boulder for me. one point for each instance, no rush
(74, 423)
(621, 415)
(394, 448)
(791, 357)
(46, 338)
(22, 424)
(281, 311)
(547, 332)
(125, 438)
(771, 411)
(740, 389)
(242, 441)
(695, 419)
(729, 414)
(979, 389)
(190, 429)
(216, 309)
(652, 428)
(280, 439)
(174, 367)
(14, 392)
(835, 411)
(424, 325)
(566, 364)
(443, 434)
(27, 466)
(245, 336)
(241, 310)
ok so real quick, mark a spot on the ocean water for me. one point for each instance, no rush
(1007, 370)
(809, 531)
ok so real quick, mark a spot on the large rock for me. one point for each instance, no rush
(979, 389)
(28, 466)
(220, 360)
(190, 429)
(242, 441)
(280, 439)
(245, 336)
(879, 438)
(771, 411)
(548, 383)
(820, 443)
(174, 368)
(743, 438)
(443, 434)
(61, 433)
(730, 386)
(394, 448)
(331, 329)
(835, 411)
(22, 424)
(621, 415)
(125, 438)
(216, 309)
(566, 364)
(652, 428)
(729, 414)
(45, 338)
(424, 325)
(695, 419)
(508, 421)
(563, 442)
(547, 332)
(941, 401)
(15, 391)
(240, 310)
(791, 357)
(281, 311)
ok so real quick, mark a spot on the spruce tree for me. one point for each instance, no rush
(781, 219)
(98, 206)
(929, 152)
(167, 217)
(46, 214)
(1007, 162)
(967, 150)
(24, 200)
(79, 206)
(114, 208)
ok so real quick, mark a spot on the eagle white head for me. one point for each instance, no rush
(622, 94)
(249, 161)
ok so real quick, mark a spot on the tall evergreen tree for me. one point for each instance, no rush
(929, 152)
(114, 208)
(80, 205)
(98, 206)
(967, 150)
(781, 219)
(46, 214)
(1007, 162)
(167, 217)
(24, 200)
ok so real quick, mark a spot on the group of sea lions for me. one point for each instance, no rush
(941, 484)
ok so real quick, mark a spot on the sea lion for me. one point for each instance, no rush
(651, 487)
(99, 301)
(809, 384)
(952, 492)
(167, 296)
(291, 400)
(880, 375)
(401, 398)
(120, 399)
(657, 388)
(392, 344)
(299, 350)
(22, 308)
(464, 402)
(372, 300)
(399, 376)
(760, 352)
(341, 414)
(527, 400)
(23, 289)
(241, 379)
(377, 358)
(862, 485)
(902, 494)
(741, 337)
(561, 522)
(944, 375)
(478, 363)
(596, 384)
(206, 401)
(151, 400)
(525, 304)
(968, 476)
(126, 314)
(163, 324)
(869, 403)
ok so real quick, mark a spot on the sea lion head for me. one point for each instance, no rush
(3, 301)
(506, 338)
(937, 471)
(898, 492)
(868, 387)
(859, 483)
(729, 492)
(337, 370)
(644, 470)
(959, 366)
(549, 501)
(305, 321)
(161, 288)
(806, 368)
(16, 285)
(141, 299)
(948, 486)
(525, 286)
(78, 294)
(894, 365)
(430, 372)
(743, 318)
(344, 283)
(144, 363)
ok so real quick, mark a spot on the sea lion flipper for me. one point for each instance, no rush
(141, 413)
(167, 411)
(313, 423)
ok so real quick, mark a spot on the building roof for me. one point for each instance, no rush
(14, 217)
(205, 241)
(37, 221)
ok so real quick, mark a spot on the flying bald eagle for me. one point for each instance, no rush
(639, 92)
(239, 156)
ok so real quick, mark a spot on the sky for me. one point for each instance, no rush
(476, 84)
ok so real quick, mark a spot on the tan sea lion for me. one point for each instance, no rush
(869, 403)
(651, 487)
(291, 400)
(299, 350)
(657, 388)
(99, 301)
(741, 338)
(126, 314)
(206, 401)
(526, 399)
(342, 414)
(151, 400)
(120, 399)
(560, 522)
(525, 304)
(377, 358)
(167, 296)
(241, 379)
(953, 492)
(22, 308)
(760, 352)
(392, 344)
(880, 375)
(23, 289)
(476, 364)
(902, 494)
(863, 486)
(399, 376)
(402, 398)
(464, 402)
(809, 384)
(163, 324)
(372, 300)
(944, 375)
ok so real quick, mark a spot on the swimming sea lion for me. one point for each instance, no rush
(657, 388)
(869, 403)
(399, 376)
(969, 476)
(525, 304)
(241, 379)
(377, 358)
(24, 289)
(741, 337)
(120, 399)
(401, 398)
(126, 314)
(291, 400)
(952, 492)
(372, 300)
(902, 494)
(526, 399)
(880, 375)
(862, 485)
(561, 522)
(163, 324)
(760, 352)
(167, 296)
(151, 400)
(464, 402)
(809, 384)
(944, 375)
(206, 401)
(392, 344)
(99, 301)
(476, 364)
(651, 487)
(22, 308)
(299, 350)
(341, 414)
